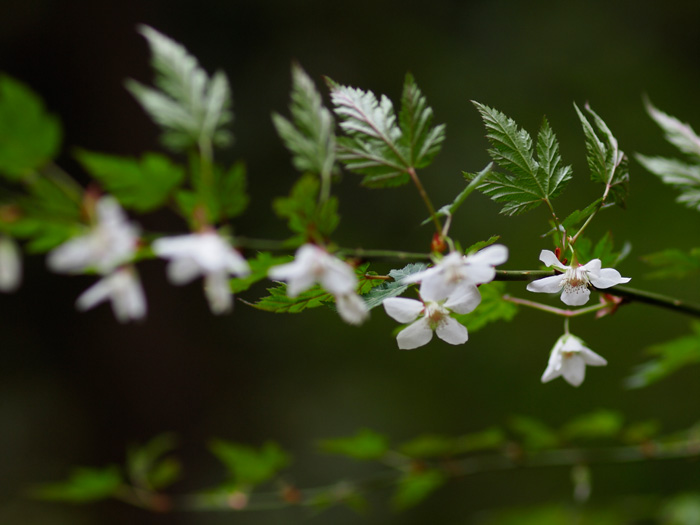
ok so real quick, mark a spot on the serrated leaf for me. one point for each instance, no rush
(191, 107)
(421, 141)
(141, 184)
(480, 245)
(492, 308)
(393, 288)
(578, 216)
(535, 434)
(416, 486)
(531, 181)
(29, 135)
(304, 214)
(247, 465)
(676, 132)
(309, 136)
(279, 302)
(608, 165)
(83, 485)
(682, 176)
(673, 263)
(364, 445)
(671, 356)
(594, 425)
(376, 145)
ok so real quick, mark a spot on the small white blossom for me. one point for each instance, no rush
(312, 265)
(207, 255)
(110, 243)
(574, 282)
(456, 269)
(431, 315)
(123, 289)
(10, 265)
(569, 359)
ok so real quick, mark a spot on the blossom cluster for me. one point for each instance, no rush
(110, 246)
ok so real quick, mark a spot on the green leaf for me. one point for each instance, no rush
(83, 485)
(148, 467)
(421, 141)
(681, 509)
(191, 107)
(676, 132)
(475, 179)
(258, 270)
(393, 288)
(673, 263)
(249, 466)
(364, 445)
(492, 308)
(598, 424)
(671, 356)
(416, 486)
(376, 145)
(531, 181)
(682, 176)
(608, 165)
(309, 136)
(279, 302)
(480, 245)
(641, 432)
(578, 216)
(305, 216)
(141, 184)
(535, 434)
(29, 136)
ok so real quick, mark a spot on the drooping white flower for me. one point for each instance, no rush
(569, 358)
(431, 315)
(574, 282)
(10, 265)
(123, 289)
(110, 243)
(208, 255)
(456, 269)
(312, 265)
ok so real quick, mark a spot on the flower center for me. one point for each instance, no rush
(435, 313)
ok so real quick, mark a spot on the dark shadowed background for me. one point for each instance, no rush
(77, 389)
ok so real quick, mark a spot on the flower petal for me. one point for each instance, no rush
(574, 370)
(491, 256)
(183, 270)
(218, 292)
(575, 295)
(464, 299)
(10, 265)
(452, 331)
(551, 372)
(351, 308)
(549, 259)
(591, 358)
(551, 284)
(338, 276)
(414, 335)
(402, 309)
(435, 288)
(607, 277)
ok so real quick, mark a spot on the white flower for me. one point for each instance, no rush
(460, 270)
(312, 265)
(204, 254)
(569, 359)
(110, 243)
(574, 281)
(431, 315)
(123, 289)
(10, 265)
(315, 265)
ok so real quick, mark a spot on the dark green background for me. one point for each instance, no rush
(76, 389)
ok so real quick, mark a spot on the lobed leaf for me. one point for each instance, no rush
(676, 132)
(530, 181)
(671, 356)
(682, 176)
(492, 308)
(303, 213)
(141, 184)
(309, 136)
(393, 288)
(608, 165)
(259, 266)
(247, 465)
(191, 107)
(279, 302)
(29, 135)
